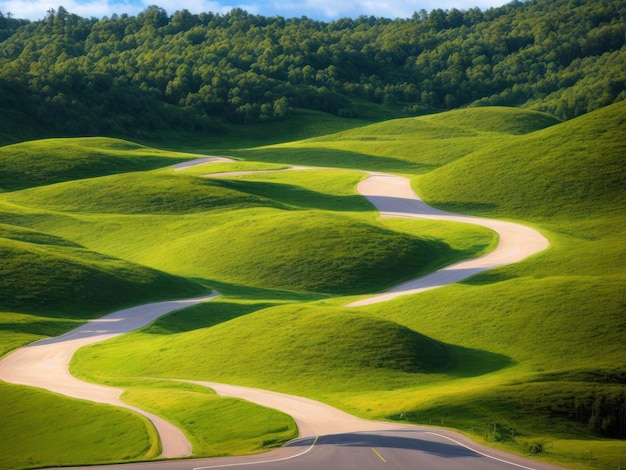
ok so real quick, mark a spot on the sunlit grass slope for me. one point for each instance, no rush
(42, 162)
(215, 425)
(412, 145)
(42, 429)
(327, 349)
(566, 172)
(137, 193)
(44, 274)
(319, 252)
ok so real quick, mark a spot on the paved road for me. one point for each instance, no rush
(400, 449)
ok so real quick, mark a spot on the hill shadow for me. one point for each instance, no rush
(262, 294)
(466, 208)
(291, 195)
(469, 362)
(333, 158)
(489, 277)
(204, 315)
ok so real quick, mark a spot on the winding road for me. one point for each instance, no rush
(328, 437)
(394, 197)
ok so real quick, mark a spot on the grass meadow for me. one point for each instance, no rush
(537, 347)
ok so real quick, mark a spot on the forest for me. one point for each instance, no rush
(123, 74)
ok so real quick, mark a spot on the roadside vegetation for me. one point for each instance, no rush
(536, 347)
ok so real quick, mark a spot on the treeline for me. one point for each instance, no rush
(153, 71)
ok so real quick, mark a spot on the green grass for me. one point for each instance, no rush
(42, 429)
(75, 280)
(137, 193)
(414, 145)
(516, 177)
(215, 426)
(526, 346)
(49, 275)
(47, 161)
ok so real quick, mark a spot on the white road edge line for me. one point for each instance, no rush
(262, 461)
(479, 452)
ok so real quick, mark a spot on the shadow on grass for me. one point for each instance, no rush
(244, 292)
(469, 362)
(296, 196)
(489, 277)
(466, 208)
(40, 327)
(203, 315)
(228, 306)
(332, 158)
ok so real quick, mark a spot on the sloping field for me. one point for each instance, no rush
(47, 161)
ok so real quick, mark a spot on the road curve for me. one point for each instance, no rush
(393, 197)
(338, 430)
(44, 364)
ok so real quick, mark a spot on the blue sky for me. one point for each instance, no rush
(325, 10)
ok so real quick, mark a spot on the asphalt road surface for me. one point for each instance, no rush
(400, 449)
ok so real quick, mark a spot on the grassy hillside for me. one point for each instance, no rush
(537, 346)
(570, 171)
(49, 161)
(416, 145)
(137, 193)
(290, 230)
(42, 429)
(48, 284)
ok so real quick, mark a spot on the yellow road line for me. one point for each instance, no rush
(379, 456)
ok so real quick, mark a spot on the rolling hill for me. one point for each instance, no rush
(536, 347)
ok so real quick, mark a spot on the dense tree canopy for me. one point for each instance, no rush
(153, 70)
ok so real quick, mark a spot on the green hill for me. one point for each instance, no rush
(570, 171)
(137, 193)
(55, 278)
(409, 145)
(317, 252)
(49, 284)
(43, 162)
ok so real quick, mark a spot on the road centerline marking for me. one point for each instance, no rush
(378, 454)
